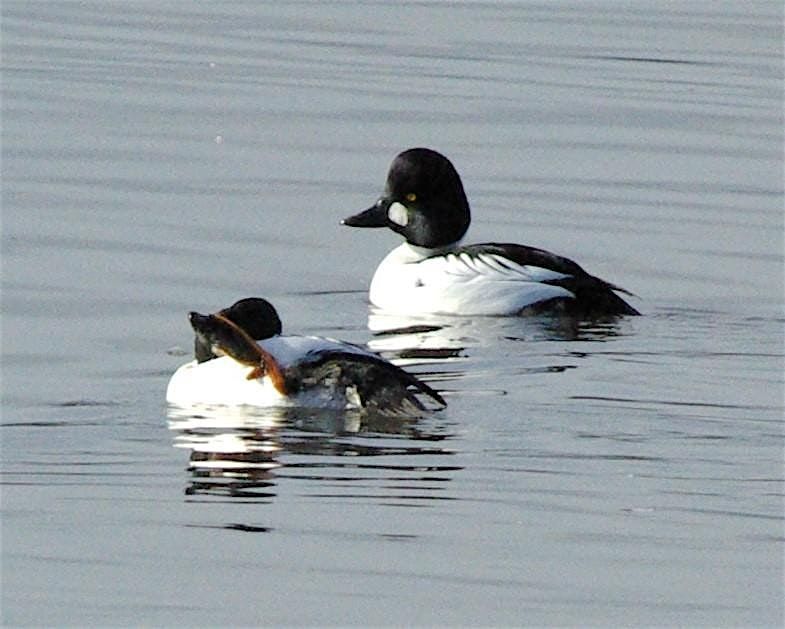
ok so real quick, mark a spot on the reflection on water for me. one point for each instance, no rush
(232, 451)
(245, 452)
(415, 339)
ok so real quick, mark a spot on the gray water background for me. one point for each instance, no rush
(159, 157)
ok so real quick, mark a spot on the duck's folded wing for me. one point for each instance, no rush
(507, 261)
(378, 383)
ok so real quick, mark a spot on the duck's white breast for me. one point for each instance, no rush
(220, 381)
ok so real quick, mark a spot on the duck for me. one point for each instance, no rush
(242, 358)
(434, 272)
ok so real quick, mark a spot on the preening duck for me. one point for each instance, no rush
(433, 272)
(242, 359)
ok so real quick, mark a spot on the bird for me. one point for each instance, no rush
(241, 358)
(434, 272)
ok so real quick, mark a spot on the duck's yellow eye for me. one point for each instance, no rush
(411, 197)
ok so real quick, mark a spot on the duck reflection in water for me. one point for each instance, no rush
(442, 340)
(245, 452)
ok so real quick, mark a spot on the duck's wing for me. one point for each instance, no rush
(495, 262)
(379, 384)
(291, 349)
(512, 261)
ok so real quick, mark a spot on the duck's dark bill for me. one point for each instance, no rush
(374, 216)
(198, 321)
(209, 328)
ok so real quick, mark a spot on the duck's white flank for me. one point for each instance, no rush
(412, 279)
(222, 381)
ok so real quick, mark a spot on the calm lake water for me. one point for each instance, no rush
(159, 157)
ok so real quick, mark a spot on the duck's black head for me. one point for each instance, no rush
(423, 200)
(255, 315)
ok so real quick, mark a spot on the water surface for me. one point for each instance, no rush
(160, 157)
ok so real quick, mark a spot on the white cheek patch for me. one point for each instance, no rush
(398, 214)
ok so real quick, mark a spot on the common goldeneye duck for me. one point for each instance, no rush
(432, 272)
(232, 368)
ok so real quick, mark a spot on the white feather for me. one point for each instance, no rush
(411, 279)
(220, 381)
(223, 381)
(398, 214)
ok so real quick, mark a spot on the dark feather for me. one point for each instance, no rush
(380, 384)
